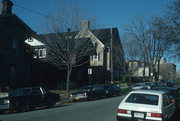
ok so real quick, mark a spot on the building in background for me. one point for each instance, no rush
(167, 71)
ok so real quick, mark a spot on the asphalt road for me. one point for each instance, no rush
(97, 110)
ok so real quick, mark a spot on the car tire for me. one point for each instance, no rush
(23, 107)
(50, 104)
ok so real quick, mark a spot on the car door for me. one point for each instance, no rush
(168, 108)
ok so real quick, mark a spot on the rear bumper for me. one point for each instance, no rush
(122, 118)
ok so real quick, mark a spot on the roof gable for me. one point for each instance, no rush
(104, 35)
(16, 20)
(34, 42)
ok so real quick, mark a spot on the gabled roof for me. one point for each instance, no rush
(15, 19)
(67, 36)
(104, 35)
(34, 42)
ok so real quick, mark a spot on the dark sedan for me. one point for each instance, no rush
(112, 90)
(88, 93)
(25, 99)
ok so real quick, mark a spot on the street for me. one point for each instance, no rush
(97, 110)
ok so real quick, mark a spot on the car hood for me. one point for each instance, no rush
(140, 107)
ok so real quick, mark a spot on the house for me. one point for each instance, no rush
(105, 66)
(15, 54)
(167, 71)
(137, 68)
(21, 52)
(98, 70)
(39, 48)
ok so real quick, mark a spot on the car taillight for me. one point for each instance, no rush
(173, 101)
(158, 115)
(122, 111)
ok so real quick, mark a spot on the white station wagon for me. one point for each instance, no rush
(145, 105)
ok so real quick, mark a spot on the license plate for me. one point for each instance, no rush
(138, 115)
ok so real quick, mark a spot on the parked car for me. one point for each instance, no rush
(25, 99)
(156, 84)
(88, 93)
(149, 105)
(5, 104)
(137, 86)
(112, 90)
(172, 92)
(168, 83)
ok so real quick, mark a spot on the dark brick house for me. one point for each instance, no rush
(20, 67)
(15, 59)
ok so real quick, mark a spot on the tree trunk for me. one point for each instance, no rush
(69, 69)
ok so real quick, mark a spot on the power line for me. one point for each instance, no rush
(38, 13)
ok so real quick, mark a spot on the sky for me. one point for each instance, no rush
(117, 13)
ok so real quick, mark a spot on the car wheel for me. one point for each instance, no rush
(50, 103)
(23, 107)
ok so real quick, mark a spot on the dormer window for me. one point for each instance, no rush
(30, 39)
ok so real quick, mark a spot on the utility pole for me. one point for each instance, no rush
(111, 49)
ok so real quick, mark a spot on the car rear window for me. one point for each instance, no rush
(143, 99)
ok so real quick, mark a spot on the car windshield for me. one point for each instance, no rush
(143, 99)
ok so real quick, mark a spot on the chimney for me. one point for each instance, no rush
(85, 25)
(6, 7)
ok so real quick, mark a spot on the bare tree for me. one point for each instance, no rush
(66, 48)
(132, 52)
(153, 38)
(167, 71)
(173, 18)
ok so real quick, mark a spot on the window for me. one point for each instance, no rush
(14, 46)
(35, 53)
(40, 53)
(14, 43)
(96, 57)
(166, 101)
(95, 44)
(30, 39)
(44, 53)
(36, 91)
(143, 99)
